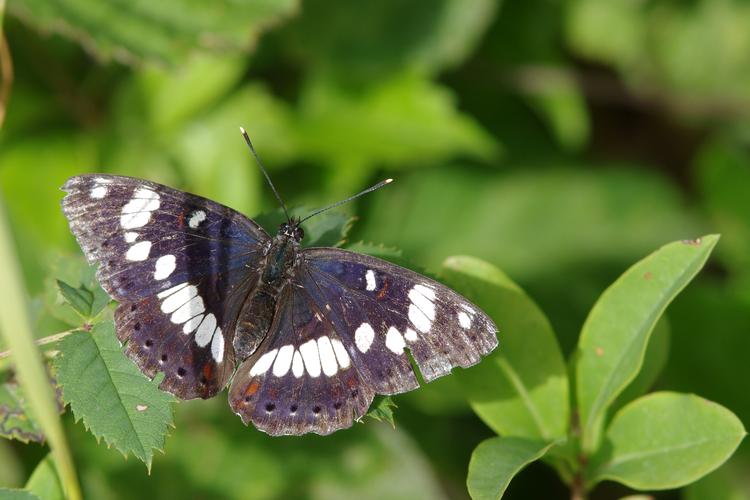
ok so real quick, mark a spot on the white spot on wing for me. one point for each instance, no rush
(139, 251)
(186, 311)
(192, 324)
(394, 341)
(99, 192)
(410, 335)
(175, 300)
(297, 367)
(217, 346)
(363, 337)
(327, 357)
(370, 277)
(165, 266)
(283, 360)
(341, 355)
(424, 301)
(170, 291)
(464, 320)
(263, 364)
(137, 212)
(309, 351)
(418, 319)
(130, 237)
(468, 309)
(196, 218)
(205, 330)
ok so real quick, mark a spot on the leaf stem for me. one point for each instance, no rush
(15, 326)
(45, 340)
(6, 70)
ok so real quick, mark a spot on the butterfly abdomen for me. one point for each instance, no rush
(259, 308)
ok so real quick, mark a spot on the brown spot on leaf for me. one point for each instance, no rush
(696, 242)
(599, 351)
(648, 275)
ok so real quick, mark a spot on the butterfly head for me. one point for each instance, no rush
(292, 229)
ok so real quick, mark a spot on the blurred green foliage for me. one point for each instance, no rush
(559, 141)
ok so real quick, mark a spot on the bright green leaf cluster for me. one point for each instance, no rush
(658, 441)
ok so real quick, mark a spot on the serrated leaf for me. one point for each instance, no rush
(79, 298)
(15, 420)
(615, 335)
(382, 410)
(44, 481)
(108, 392)
(13, 494)
(666, 440)
(521, 389)
(496, 461)
(162, 32)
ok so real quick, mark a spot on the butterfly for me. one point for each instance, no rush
(307, 337)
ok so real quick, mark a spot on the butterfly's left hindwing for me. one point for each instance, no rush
(180, 266)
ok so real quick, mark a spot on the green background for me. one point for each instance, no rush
(560, 141)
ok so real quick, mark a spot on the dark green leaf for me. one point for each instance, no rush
(15, 420)
(615, 335)
(79, 299)
(109, 393)
(496, 460)
(164, 32)
(382, 410)
(666, 440)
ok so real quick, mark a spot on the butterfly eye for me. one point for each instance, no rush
(299, 233)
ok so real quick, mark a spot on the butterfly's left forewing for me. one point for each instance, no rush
(359, 315)
(180, 266)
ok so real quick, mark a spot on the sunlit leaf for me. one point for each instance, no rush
(44, 481)
(107, 391)
(615, 335)
(12, 494)
(666, 440)
(495, 461)
(521, 389)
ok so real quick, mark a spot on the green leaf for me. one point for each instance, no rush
(400, 121)
(15, 420)
(654, 360)
(108, 392)
(496, 460)
(439, 35)
(382, 410)
(666, 440)
(44, 481)
(79, 299)
(163, 32)
(11, 494)
(615, 335)
(521, 389)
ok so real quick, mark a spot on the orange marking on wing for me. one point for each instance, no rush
(383, 290)
(252, 388)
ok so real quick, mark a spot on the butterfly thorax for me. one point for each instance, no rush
(258, 310)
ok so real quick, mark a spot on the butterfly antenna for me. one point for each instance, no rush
(368, 190)
(265, 173)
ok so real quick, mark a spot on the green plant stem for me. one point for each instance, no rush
(45, 340)
(15, 326)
